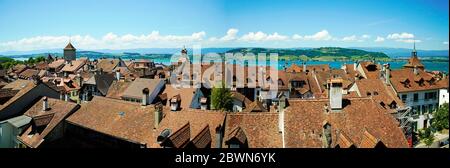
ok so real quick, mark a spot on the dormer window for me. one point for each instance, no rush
(369, 94)
(375, 93)
(280, 82)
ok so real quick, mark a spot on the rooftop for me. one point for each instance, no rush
(304, 120)
(260, 129)
(121, 119)
(134, 90)
(48, 120)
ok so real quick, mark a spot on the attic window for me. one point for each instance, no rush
(280, 82)
(371, 67)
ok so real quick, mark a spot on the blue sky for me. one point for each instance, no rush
(117, 24)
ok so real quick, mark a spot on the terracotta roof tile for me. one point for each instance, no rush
(261, 129)
(197, 119)
(57, 112)
(125, 120)
(304, 120)
(404, 80)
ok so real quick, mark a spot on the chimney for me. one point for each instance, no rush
(117, 75)
(281, 121)
(416, 70)
(354, 65)
(388, 74)
(335, 93)
(219, 136)
(145, 92)
(79, 80)
(304, 67)
(45, 104)
(158, 114)
(61, 95)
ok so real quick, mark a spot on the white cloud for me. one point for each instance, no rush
(354, 38)
(350, 38)
(260, 36)
(379, 39)
(231, 35)
(365, 36)
(319, 36)
(409, 40)
(403, 35)
(110, 41)
(445, 42)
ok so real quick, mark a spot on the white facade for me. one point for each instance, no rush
(423, 104)
(443, 96)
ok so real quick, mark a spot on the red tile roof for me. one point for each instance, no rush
(261, 129)
(57, 112)
(404, 80)
(197, 119)
(124, 120)
(304, 120)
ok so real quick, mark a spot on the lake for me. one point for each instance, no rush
(431, 66)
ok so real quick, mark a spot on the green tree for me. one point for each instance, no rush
(221, 98)
(426, 136)
(440, 120)
(39, 59)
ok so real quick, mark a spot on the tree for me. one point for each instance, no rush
(426, 136)
(221, 98)
(440, 120)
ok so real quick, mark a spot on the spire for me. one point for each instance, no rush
(414, 52)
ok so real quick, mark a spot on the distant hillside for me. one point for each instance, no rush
(320, 54)
(404, 52)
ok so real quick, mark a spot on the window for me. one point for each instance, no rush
(414, 126)
(430, 108)
(416, 97)
(424, 109)
(404, 97)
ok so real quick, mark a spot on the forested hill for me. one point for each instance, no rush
(329, 53)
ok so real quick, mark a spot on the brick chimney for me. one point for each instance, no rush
(335, 93)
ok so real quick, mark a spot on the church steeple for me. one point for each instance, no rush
(414, 52)
(414, 61)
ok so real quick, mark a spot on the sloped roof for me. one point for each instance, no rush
(304, 120)
(104, 115)
(197, 119)
(57, 112)
(69, 47)
(414, 62)
(261, 129)
(134, 90)
(398, 78)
